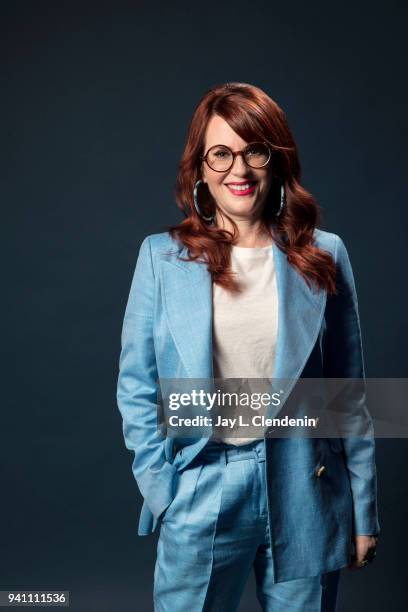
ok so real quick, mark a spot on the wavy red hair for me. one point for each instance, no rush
(253, 115)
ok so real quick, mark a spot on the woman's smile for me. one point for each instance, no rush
(242, 189)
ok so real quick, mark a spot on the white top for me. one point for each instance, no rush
(245, 325)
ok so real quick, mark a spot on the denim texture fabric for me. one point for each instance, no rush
(167, 333)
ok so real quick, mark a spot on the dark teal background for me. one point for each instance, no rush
(96, 99)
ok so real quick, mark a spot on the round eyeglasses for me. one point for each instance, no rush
(220, 158)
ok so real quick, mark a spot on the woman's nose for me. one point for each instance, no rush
(239, 164)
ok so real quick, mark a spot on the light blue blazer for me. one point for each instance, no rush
(167, 333)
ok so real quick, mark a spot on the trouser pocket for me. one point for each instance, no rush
(185, 491)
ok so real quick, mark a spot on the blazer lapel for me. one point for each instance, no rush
(187, 295)
(300, 315)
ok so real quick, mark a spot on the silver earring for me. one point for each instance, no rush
(282, 200)
(196, 205)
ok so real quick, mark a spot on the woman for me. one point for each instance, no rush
(245, 286)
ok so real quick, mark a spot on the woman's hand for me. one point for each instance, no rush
(365, 551)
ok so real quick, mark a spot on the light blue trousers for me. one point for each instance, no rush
(216, 530)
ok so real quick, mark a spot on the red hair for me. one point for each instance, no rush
(253, 115)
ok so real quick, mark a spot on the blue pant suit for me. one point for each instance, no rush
(216, 531)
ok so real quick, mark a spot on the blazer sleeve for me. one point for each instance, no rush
(137, 389)
(343, 358)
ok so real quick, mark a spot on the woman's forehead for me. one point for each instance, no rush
(220, 132)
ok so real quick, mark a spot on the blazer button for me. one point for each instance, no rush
(319, 471)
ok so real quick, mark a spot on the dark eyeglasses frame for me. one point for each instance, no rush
(235, 153)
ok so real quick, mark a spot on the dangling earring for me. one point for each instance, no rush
(196, 205)
(282, 200)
